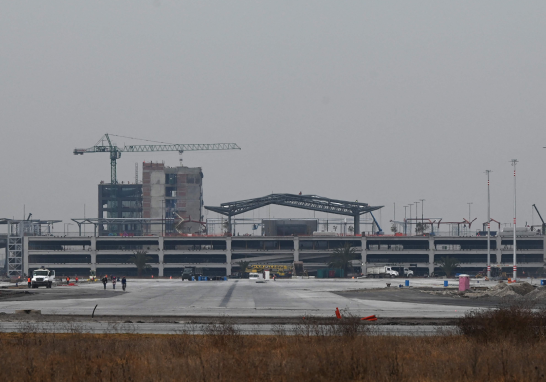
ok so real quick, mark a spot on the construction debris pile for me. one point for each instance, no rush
(518, 290)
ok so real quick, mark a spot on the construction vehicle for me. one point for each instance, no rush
(43, 277)
(540, 216)
(379, 230)
(380, 272)
(279, 270)
(404, 271)
(190, 272)
(105, 145)
(520, 231)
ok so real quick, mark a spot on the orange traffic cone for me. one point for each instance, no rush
(338, 315)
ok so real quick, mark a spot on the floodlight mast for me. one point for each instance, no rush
(514, 163)
(115, 152)
(488, 227)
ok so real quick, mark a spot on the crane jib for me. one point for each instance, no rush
(115, 151)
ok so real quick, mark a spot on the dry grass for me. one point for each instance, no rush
(224, 355)
(519, 321)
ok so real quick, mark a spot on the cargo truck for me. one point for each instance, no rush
(43, 277)
(380, 272)
(188, 272)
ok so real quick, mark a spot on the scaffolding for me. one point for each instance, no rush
(16, 232)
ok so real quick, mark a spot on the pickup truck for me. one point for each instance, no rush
(43, 277)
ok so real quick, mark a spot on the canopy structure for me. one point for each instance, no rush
(306, 202)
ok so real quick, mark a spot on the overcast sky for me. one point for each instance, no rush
(378, 101)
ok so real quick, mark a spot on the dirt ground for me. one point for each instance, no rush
(420, 296)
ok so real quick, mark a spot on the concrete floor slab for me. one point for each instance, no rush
(281, 298)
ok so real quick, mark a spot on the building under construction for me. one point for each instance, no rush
(169, 200)
(174, 194)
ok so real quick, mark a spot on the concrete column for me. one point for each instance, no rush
(498, 251)
(93, 253)
(544, 247)
(431, 253)
(93, 264)
(363, 255)
(160, 269)
(296, 248)
(228, 256)
(431, 262)
(25, 256)
(161, 254)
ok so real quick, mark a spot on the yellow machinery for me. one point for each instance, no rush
(275, 269)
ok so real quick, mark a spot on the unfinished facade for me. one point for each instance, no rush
(174, 194)
(120, 201)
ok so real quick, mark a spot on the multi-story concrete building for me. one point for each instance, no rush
(218, 255)
(173, 193)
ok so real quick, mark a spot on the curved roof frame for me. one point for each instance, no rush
(307, 202)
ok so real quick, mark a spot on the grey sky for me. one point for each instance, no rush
(371, 100)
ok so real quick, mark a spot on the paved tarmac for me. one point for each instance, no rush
(235, 298)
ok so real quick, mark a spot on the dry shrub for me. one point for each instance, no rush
(38, 356)
(350, 326)
(515, 321)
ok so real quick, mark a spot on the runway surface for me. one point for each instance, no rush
(237, 298)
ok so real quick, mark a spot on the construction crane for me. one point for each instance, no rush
(105, 145)
(540, 216)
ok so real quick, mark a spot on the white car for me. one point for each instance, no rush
(253, 276)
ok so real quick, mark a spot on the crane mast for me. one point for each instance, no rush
(105, 145)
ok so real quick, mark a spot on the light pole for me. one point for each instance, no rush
(514, 162)
(411, 204)
(422, 213)
(469, 204)
(416, 215)
(488, 227)
(405, 216)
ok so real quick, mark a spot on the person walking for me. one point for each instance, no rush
(67, 280)
(104, 281)
(76, 279)
(123, 283)
(29, 280)
(114, 282)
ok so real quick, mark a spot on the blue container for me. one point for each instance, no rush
(542, 282)
(193, 278)
(225, 278)
(199, 278)
(407, 283)
(445, 283)
(206, 278)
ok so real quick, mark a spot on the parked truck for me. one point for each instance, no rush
(188, 272)
(380, 272)
(43, 277)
